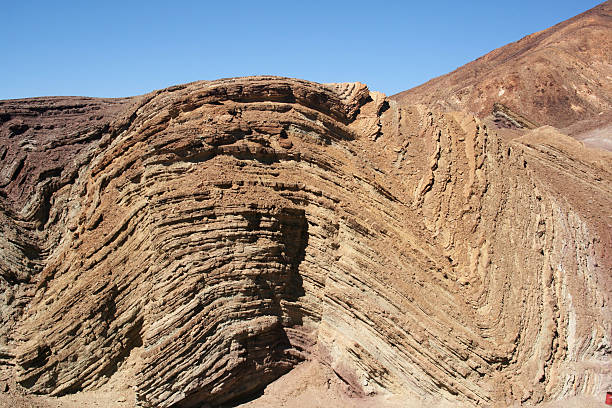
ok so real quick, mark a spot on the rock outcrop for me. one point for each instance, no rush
(44, 144)
(225, 231)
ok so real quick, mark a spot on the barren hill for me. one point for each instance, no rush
(189, 247)
(560, 77)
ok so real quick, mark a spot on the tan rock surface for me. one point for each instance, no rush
(217, 234)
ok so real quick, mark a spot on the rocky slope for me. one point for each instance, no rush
(44, 142)
(560, 77)
(201, 241)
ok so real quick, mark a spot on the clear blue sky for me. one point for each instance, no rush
(120, 48)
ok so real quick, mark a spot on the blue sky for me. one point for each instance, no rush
(121, 48)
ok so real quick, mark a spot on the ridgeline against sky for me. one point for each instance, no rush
(114, 48)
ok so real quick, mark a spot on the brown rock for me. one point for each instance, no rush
(285, 143)
(558, 77)
(414, 253)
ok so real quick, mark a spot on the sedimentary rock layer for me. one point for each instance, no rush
(228, 230)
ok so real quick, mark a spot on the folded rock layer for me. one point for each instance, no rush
(228, 230)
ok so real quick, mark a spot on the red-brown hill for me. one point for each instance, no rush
(561, 77)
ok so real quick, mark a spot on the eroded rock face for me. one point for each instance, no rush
(44, 144)
(228, 230)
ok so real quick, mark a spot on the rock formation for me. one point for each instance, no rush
(560, 77)
(219, 233)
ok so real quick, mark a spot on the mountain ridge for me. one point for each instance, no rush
(561, 76)
(275, 242)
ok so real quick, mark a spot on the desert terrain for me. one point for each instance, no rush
(274, 242)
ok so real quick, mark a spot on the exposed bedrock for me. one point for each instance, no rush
(228, 230)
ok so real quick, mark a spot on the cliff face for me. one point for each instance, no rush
(44, 144)
(216, 234)
(561, 77)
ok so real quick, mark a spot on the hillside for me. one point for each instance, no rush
(561, 77)
(193, 245)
